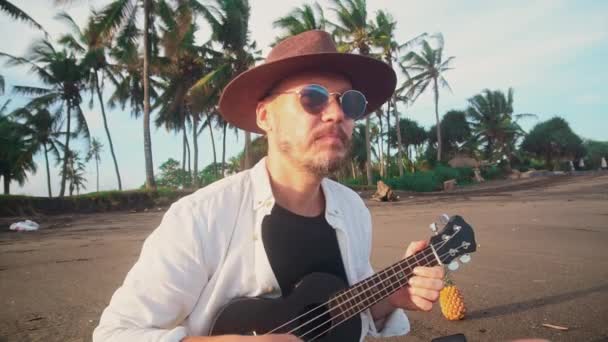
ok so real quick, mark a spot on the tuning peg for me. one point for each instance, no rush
(444, 219)
(453, 266)
(433, 228)
(465, 258)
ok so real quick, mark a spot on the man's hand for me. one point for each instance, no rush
(239, 338)
(424, 286)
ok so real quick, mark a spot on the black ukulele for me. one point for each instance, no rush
(320, 308)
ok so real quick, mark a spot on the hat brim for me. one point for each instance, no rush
(239, 100)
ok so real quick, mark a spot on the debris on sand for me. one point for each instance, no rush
(24, 226)
(557, 327)
(384, 193)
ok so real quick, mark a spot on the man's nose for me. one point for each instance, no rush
(333, 111)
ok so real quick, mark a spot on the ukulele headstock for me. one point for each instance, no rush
(456, 239)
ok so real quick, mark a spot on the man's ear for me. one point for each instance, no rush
(262, 116)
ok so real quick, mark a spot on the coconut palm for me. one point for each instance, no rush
(92, 49)
(94, 152)
(64, 78)
(16, 153)
(427, 68)
(229, 21)
(18, 14)
(301, 19)
(383, 31)
(74, 172)
(43, 129)
(354, 33)
(120, 16)
(493, 124)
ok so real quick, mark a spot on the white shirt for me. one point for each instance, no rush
(184, 274)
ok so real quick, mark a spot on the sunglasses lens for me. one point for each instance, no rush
(314, 98)
(353, 104)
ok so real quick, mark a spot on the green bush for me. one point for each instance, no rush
(492, 172)
(423, 181)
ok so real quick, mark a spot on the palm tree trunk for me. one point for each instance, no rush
(379, 143)
(213, 146)
(247, 163)
(195, 147)
(388, 139)
(105, 125)
(97, 167)
(437, 118)
(184, 149)
(150, 184)
(187, 160)
(399, 140)
(48, 170)
(7, 184)
(65, 154)
(224, 149)
(368, 150)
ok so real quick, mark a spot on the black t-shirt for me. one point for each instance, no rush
(298, 245)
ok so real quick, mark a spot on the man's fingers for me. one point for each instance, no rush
(426, 283)
(430, 272)
(415, 246)
(421, 303)
(426, 294)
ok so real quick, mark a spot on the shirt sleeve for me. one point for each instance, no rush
(161, 289)
(396, 323)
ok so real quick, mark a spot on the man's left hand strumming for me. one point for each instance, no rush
(422, 292)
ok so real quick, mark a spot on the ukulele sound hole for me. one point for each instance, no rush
(315, 322)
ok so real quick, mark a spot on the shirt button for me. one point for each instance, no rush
(269, 289)
(255, 237)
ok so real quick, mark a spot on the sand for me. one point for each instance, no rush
(542, 258)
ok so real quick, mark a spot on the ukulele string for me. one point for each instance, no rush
(352, 315)
(357, 286)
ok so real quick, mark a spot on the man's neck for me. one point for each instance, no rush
(295, 189)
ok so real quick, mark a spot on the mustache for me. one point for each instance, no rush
(331, 130)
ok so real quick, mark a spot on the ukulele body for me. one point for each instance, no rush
(257, 316)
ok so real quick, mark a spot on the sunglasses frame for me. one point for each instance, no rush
(340, 95)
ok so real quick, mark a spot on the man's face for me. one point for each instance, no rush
(316, 142)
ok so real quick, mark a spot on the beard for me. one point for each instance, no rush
(319, 164)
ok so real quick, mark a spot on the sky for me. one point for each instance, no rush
(552, 52)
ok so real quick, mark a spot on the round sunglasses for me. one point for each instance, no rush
(314, 98)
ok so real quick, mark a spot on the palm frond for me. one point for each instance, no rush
(18, 14)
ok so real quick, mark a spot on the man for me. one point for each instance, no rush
(256, 233)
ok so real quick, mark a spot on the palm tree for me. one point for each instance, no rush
(383, 31)
(429, 67)
(16, 13)
(43, 129)
(120, 16)
(16, 153)
(92, 48)
(94, 152)
(301, 19)
(74, 171)
(355, 33)
(64, 77)
(229, 20)
(493, 123)
(191, 88)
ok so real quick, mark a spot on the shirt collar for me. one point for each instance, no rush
(262, 191)
(261, 184)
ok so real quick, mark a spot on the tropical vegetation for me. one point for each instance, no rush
(146, 58)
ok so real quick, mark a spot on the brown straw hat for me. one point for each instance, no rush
(311, 50)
